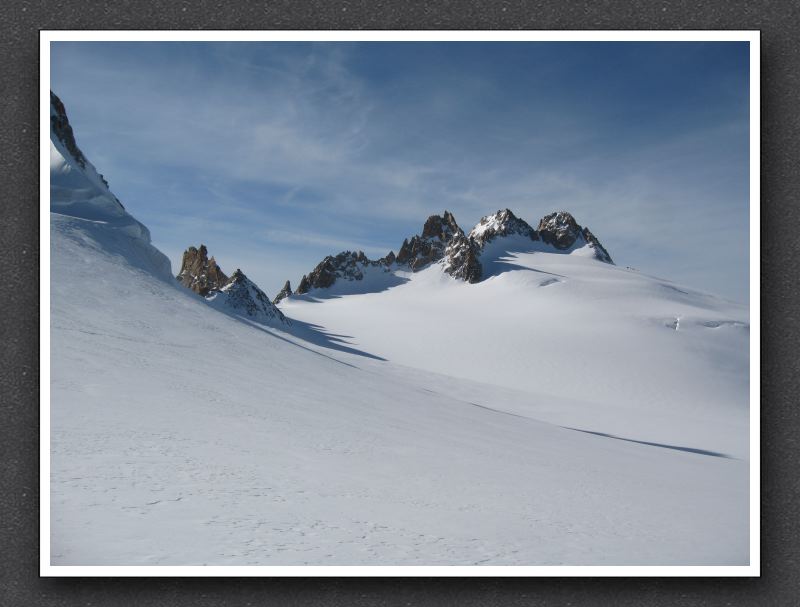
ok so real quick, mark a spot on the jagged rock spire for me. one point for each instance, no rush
(199, 273)
(429, 247)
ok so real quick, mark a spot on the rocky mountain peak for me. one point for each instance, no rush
(443, 227)
(199, 273)
(421, 251)
(285, 292)
(561, 231)
(501, 223)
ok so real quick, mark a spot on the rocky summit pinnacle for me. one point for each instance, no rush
(561, 231)
(285, 292)
(429, 247)
(199, 273)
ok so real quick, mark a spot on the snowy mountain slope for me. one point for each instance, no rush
(181, 435)
(593, 345)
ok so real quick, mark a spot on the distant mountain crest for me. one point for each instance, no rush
(347, 265)
(442, 240)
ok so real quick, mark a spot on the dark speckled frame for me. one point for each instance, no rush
(779, 22)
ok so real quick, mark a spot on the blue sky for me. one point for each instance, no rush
(277, 154)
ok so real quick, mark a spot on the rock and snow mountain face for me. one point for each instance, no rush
(347, 265)
(237, 294)
(500, 224)
(443, 241)
(429, 247)
(558, 411)
(242, 296)
(563, 232)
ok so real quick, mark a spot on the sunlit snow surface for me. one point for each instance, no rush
(563, 411)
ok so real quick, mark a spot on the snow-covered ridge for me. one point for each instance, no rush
(78, 190)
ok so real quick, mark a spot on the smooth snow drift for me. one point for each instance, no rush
(561, 412)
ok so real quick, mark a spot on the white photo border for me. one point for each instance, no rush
(753, 37)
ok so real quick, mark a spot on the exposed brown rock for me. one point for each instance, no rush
(199, 273)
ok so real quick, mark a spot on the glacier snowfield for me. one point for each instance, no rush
(394, 434)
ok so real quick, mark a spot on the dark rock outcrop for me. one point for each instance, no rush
(461, 259)
(199, 273)
(285, 292)
(63, 131)
(561, 231)
(347, 265)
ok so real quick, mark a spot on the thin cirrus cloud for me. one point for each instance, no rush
(276, 154)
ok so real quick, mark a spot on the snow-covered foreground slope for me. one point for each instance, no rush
(566, 339)
(181, 435)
